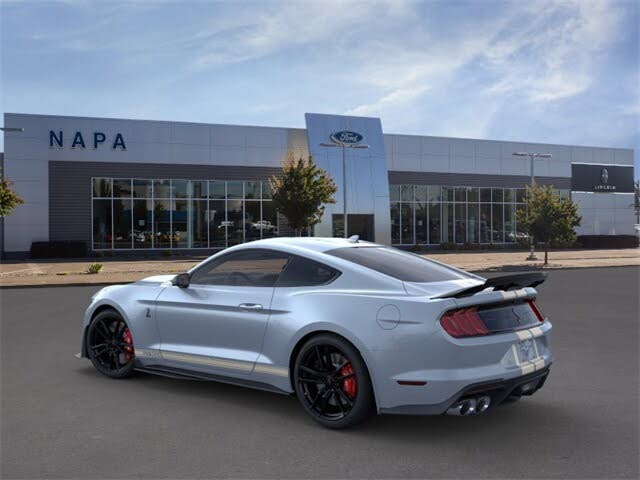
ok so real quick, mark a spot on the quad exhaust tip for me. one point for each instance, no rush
(470, 406)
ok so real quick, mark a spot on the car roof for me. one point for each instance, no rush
(310, 244)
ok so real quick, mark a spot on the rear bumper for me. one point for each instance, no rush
(450, 367)
(500, 391)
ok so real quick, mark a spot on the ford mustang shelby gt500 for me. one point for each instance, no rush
(350, 327)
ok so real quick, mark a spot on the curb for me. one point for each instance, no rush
(504, 268)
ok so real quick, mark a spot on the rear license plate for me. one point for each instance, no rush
(527, 350)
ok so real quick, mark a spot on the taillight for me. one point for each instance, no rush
(463, 323)
(536, 310)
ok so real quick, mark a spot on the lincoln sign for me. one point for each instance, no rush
(601, 178)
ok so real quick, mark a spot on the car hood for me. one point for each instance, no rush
(155, 280)
(434, 289)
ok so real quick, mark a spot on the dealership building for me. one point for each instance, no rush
(134, 185)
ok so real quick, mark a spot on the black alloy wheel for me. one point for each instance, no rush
(332, 382)
(110, 345)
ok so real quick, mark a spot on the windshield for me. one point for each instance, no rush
(404, 266)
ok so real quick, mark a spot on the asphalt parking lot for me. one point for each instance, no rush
(60, 418)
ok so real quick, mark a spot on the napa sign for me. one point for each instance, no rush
(57, 139)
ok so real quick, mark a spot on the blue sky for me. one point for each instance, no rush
(549, 71)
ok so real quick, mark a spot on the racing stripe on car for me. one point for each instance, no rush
(536, 332)
(271, 370)
(523, 334)
(209, 361)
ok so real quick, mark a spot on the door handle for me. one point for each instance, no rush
(250, 307)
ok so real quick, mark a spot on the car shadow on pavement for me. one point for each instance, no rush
(239, 400)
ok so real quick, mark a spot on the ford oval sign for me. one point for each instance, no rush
(345, 137)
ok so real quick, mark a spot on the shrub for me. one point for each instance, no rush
(94, 268)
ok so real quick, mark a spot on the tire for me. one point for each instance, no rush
(324, 373)
(107, 346)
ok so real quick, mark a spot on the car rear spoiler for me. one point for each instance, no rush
(504, 282)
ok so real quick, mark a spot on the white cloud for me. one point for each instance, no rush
(555, 50)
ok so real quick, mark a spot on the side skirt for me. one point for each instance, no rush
(180, 373)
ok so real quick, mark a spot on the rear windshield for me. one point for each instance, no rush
(397, 264)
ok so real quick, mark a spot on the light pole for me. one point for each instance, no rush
(532, 254)
(344, 147)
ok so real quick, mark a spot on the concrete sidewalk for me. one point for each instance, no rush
(118, 270)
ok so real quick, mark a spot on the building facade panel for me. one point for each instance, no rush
(401, 189)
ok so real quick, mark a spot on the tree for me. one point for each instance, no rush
(301, 192)
(9, 199)
(548, 217)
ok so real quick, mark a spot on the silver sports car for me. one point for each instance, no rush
(350, 327)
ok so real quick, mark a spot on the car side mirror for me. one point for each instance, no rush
(182, 280)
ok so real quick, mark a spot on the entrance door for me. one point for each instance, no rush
(361, 225)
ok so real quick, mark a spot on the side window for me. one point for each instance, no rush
(302, 272)
(250, 268)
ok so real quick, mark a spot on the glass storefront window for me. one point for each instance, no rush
(447, 194)
(162, 189)
(235, 222)
(434, 223)
(473, 223)
(509, 196)
(447, 223)
(485, 223)
(162, 224)
(406, 221)
(395, 223)
(122, 234)
(142, 223)
(122, 187)
(252, 220)
(180, 224)
(234, 190)
(180, 188)
(102, 187)
(199, 189)
(509, 223)
(497, 223)
(460, 194)
(217, 190)
(199, 229)
(420, 193)
(394, 193)
(521, 194)
(142, 188)
(473, 194)
(266, 190)
(496, 195)
(252, 190)
(406, 193)
(176, 213)
(461, 222)
(434, 193)
(485, 195)
(422, 222)
(269, 224)
(217, 223)
(102, 226)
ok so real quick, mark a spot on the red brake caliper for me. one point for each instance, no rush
(126, 338)
(349, 385)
